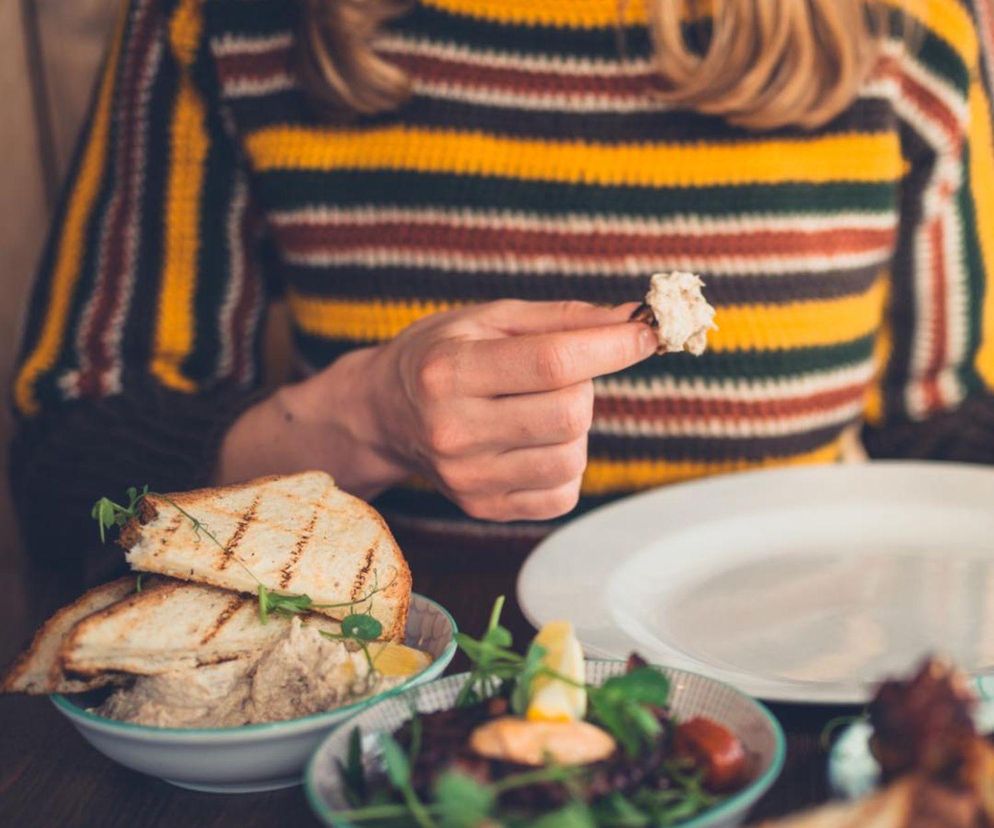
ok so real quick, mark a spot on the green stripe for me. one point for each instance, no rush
(288, 190)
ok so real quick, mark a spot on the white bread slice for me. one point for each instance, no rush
(177, 626)
(297, 534)
(37, 670)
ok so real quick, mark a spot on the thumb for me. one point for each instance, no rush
(514, 317)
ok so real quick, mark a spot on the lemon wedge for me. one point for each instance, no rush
(397, 660)
(552, 699)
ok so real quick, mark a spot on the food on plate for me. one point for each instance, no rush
(140, 634)
(615, 757)
(676, 308)
(298, 674)
(938, 771)
(191, 653)
(297, 533)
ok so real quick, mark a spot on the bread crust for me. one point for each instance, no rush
(38, 670)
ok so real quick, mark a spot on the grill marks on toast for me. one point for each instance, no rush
(286, 573)
(362, 575)
(235, 604)
(228, 553)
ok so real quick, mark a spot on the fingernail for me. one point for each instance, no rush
(648, 341)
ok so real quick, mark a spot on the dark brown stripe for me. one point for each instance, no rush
(228, 553)
(233, 605)
(286, 573)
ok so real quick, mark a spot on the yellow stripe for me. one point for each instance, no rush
(848, 157)
(174, 333)
(794, 325)
(609, 476)
(573, 13)
(70, 245)
(947, 19)
(873, 406)
(982, 190)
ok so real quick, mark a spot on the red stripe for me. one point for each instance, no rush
(508, 78)
(929, 103)
(121, 221)
(670, 408)
(256, 66)
(937, 332)
(308, 237)
(242, 332)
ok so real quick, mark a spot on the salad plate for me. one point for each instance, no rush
(797, 585)
(690, 696)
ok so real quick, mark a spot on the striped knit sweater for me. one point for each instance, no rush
(848, 264)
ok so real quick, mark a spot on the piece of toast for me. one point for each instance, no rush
(296, 534)
(177, 626)
(38, 669)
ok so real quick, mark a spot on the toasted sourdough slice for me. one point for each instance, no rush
(297, 534)
(177, 626)
(38, 670)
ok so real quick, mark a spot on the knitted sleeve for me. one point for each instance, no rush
(141, 341)
(937, 354)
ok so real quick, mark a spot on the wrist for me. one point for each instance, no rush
(334, 417)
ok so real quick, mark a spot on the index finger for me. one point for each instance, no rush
(546, 362)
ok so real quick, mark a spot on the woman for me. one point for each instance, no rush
(460, 200)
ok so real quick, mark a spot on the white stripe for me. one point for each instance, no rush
(452, 90)
(605, 265)
(254, 87)
(229, 45)
(236, 278)
(743, 390)
(507, 59)
(682, 225)
(717, 427)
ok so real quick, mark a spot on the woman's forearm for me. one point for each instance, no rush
(320, 423)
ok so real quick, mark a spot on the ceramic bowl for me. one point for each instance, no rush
(690, 695)
(256, 757)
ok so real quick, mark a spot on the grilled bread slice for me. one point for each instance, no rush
(177, 626)
(296, 534)
(38, 669)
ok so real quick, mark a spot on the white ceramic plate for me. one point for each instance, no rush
(801, 585)
(690, 695)
(852, 770)
(258, 757)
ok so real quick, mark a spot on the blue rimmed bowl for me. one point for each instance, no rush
(690, 695)
(258, 757)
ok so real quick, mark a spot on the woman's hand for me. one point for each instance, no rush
(492, 403)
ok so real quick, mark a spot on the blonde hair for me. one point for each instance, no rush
(765, 63)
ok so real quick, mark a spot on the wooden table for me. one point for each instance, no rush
(50, 777)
